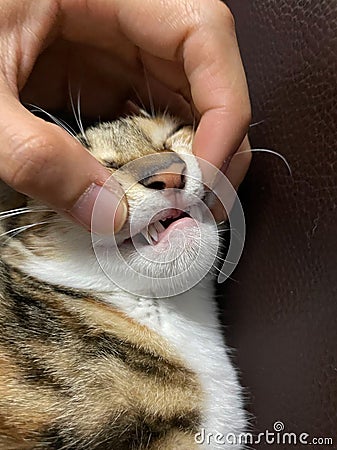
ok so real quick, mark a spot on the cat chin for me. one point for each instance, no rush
(168, 268)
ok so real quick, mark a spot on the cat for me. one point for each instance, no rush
(86, 364)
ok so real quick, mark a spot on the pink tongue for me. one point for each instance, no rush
(179, 224)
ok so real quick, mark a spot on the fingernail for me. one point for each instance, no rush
(101, 210)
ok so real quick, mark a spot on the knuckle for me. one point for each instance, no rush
(242, 112)
(29, 157)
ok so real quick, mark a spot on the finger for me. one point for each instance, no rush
(200, 35)
(235, 173)
(218, 88)
(42, 161)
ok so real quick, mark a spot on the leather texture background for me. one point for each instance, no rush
(281, 306)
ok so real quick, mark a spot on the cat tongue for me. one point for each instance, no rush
(177, 225)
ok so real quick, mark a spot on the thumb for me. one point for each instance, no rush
(40, 160)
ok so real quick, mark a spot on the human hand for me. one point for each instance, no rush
(187, 47)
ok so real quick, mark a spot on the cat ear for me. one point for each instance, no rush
(131, 109)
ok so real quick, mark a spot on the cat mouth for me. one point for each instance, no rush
(166, 221)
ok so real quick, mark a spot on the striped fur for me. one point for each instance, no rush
(78, 370)
(67, 357)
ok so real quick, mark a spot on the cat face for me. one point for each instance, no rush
(169, 240)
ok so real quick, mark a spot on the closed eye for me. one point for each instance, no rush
(111, 164)
(173, 132)
(178, 128)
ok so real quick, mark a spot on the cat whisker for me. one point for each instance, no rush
(220, 279)
(256, 123)
(77, 115)
(266, 150)
(165, 112)
(15, 212)
(138, 97)
(224, 260)
(16, 231)
(9, 211)
(61, 123)
(24, 208)
(149, 92)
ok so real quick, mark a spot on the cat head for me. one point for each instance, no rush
(169, 241)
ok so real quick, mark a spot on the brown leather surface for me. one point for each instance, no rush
(282, 306)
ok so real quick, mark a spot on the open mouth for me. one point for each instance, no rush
(168, 220)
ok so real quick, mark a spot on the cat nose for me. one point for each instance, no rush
(166, 180)
(170, 175)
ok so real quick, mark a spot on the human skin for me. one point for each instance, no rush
(189, 50)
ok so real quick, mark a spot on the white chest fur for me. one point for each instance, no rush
(188, 322)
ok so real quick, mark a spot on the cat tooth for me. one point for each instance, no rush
(153, 232)
(146, 235)
(159, 227)
(196, 213)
